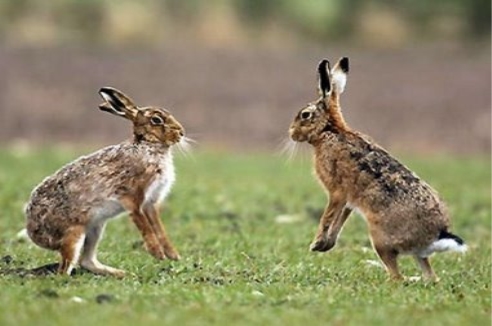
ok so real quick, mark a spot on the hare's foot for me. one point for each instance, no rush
(70, 249)
(427, 270)
(321, 243)
(96, 267)
(419, 278)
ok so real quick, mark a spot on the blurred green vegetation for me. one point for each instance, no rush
(36, 22)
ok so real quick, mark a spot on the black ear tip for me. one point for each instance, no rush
(105, 89)
(323, 64)
(344, 64)
(103, 107)
(323, 76)
(109, 94)
(106, 108)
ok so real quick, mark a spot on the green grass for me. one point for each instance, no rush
(239, 265)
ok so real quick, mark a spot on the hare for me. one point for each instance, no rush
(68, 211)
(404, 214)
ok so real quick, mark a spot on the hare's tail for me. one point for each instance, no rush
(448, 241)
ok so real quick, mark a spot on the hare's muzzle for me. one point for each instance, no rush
(295, 135)
(178, 132)
(176, 128)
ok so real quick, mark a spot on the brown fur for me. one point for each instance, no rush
(67, 212)
(404, 214)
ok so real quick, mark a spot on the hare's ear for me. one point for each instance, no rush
(117, 103)
(324, 85)
(339, 75)
(106, 107)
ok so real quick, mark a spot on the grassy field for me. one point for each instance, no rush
(243, 224)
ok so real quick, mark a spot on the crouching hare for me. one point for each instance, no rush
(404, 214)
(68, 211)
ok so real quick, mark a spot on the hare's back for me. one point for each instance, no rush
(380, 179)
(90, 181)
(393, 199)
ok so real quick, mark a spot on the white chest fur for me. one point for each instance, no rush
(161, 185)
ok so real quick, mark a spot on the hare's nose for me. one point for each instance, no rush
(181, 133)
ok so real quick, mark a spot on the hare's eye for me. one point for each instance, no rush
(306, 115)
(156, 120)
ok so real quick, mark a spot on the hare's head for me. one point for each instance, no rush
(151, 124)
(324, 114)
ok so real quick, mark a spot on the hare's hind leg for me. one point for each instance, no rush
(382, 243)
(88, 259)
(390, 261)
(426, 267)
(71, 246)
(389, 257)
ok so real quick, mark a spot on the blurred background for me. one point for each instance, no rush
(235, 72)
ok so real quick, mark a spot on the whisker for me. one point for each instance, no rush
(184, 146)
(193, 136)
(190, 140)
(288, 148)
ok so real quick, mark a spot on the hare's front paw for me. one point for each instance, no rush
(162, 254)
(172, 254)
(157, 253)
(321, 244)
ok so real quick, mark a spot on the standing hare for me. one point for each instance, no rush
(68, 211)
(404, 214)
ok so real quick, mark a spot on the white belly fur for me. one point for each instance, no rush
(108, 209)
(100, 215)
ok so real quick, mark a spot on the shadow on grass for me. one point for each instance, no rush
(45, 270)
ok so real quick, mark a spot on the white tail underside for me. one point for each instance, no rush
(444, 245)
